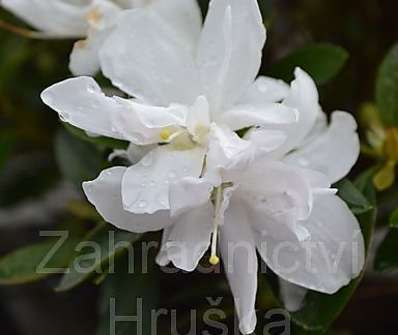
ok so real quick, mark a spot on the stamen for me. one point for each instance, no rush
(165, 134)
(214, 259)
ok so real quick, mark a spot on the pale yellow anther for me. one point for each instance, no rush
(214, 260)
(165, 134)
(94, 16)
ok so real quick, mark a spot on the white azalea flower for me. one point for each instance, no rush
(92, 21)
(280, 205)
(204, 183)
(174, 103)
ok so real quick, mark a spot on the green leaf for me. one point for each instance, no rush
(100, 141)
(23, 265)
(129, 294)
(320, 310)
(353, 197)
(394, 219)
(387, 88)
(95, 254)
(387, 255)
(78, 161)
(364, 184)
(322, 61)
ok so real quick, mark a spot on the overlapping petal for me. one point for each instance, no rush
(240, 263)
(145, 58)
(105, 194)
(331, 255)
(187, 240)
(81, 102)
(233, 35)
(333, 152)
(146, 185)
(271, 114)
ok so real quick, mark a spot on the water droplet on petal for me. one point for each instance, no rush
(142, 204)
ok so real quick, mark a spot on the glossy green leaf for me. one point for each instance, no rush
(394, 219)
(387, 88)
(78, 161)
(129, 293)
(96, 254)
(36, 261)
(353, 197)
(322, 61)
(100, 141)
(387, 255)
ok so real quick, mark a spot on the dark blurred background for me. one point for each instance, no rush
(34, 195)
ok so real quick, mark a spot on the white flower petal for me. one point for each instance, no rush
(80, 102)
(56, 17)
(144, 57)
(276, 188)
(230, 50)
(143, 124)
(189, 238)
(189, 193)
(328, 259)
(292, 295)
(303, 97)
(265, 90)
(240, 262)
(184, 16)
(243, 116)
(105, 194)
(226, 151)
(334, 152)
(265, 140)
(146, 185)
(198, 119)
(84, 59)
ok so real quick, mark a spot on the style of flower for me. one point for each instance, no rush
(92, 21)
(195, 177)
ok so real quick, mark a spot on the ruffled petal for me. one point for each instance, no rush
(145, 58)
(240, 262)
(184, 16)
(188, 238)
(144, 124)
(265, 140)
(230, 50)
(227, 151)
(276, 188)
(333, 152)
(243, 116)
(81, 103)
(265, 90)
(105, 194)
(303, 97)
(189, 193)
(146, 185)
(332, 254)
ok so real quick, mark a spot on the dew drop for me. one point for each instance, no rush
(142, 204)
